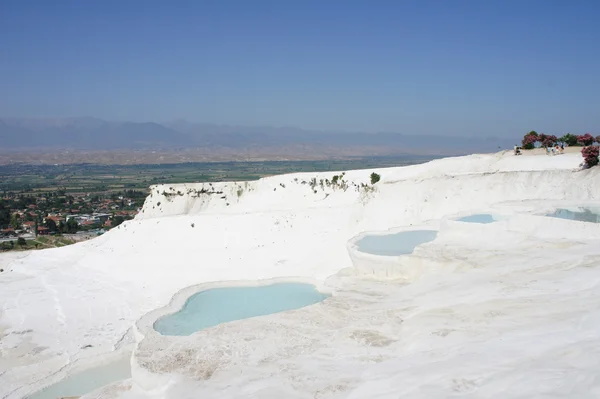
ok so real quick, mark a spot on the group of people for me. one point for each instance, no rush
(517, 150)
(557, 149)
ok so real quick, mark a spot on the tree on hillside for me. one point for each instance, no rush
(590, 155)
(585, 139)
(117, 220)
(529, 140)
(15, 221)
(548, 140)
(71, 226)
(569, 139)
(51, 225)
(4, 215)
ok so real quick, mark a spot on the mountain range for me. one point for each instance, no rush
(93, 134)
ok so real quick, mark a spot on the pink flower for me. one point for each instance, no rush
(590, 155)
(586, 139)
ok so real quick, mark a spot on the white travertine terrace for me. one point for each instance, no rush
(506, 309)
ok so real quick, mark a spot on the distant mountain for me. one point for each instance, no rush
(240, 136)
(88, 134)
(96, 134)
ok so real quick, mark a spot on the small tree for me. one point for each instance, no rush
(569, 139)
(117, 220)
(71, 226)
(585, 139)
(15, 221)
(548, 140)
(529, 141)
(375, 178)
(4, 214)
(590, 155)
(51, 225)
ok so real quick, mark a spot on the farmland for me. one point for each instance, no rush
(93, 178)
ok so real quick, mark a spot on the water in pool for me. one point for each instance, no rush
(87, 381)
(482, 218)
(585, 215)
(402, 243)
(220, 305)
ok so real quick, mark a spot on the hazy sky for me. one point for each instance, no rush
(441, 67)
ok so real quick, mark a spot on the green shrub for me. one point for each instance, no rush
(375, 178)
(569, 139)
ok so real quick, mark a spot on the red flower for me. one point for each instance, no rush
(590, 155)
(586, 139)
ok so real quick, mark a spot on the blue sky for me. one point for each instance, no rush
(456, 67)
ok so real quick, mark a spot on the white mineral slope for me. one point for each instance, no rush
(528, 299)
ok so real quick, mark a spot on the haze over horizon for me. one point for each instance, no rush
(458, 68)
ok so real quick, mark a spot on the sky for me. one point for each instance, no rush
(455, 67)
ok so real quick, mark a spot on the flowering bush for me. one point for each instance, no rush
(586, 139)
(548, 140)
(590, 155)
(541, 137)
(529, 140)
(598, 139)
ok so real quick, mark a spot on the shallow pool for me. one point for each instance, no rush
(87, 381)
(221, 305)
(482, 218)
(402, 243)
(585, 215)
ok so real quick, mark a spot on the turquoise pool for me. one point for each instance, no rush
(402, 243)
(87, 381)
(220, 305)
(482, 218)
(585, 215)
